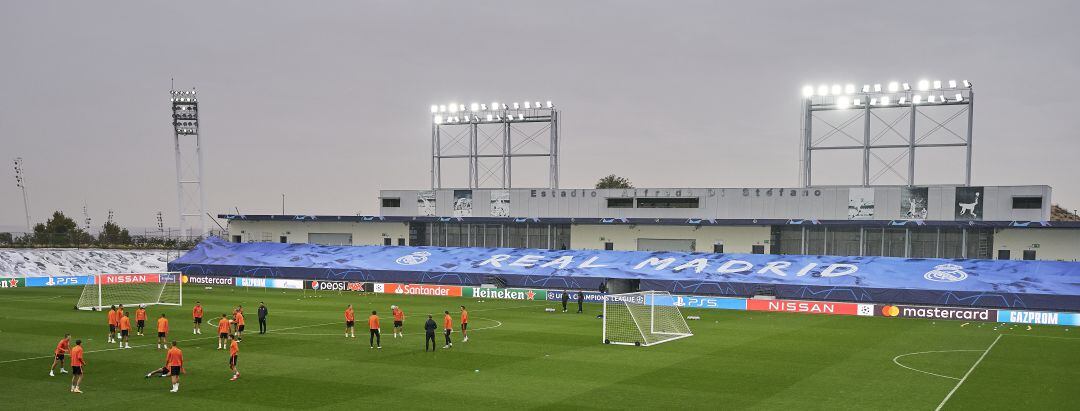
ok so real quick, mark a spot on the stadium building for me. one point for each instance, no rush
(990, 222)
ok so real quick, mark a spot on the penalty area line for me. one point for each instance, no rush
(968, 373)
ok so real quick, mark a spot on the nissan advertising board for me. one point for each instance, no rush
(808, 307)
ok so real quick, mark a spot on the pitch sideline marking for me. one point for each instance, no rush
(147, 345)
(897, 362)
(968, 373)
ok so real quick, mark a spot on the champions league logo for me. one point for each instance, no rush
(414, 258)
(946, 273)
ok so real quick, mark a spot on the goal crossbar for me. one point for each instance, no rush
(106, 290)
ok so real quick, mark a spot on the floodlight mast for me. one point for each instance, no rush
(489, 138)
(926, 99)
(190, 197)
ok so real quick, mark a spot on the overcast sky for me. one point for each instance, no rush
(327, 102)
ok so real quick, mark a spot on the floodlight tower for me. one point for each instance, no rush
(490, 137)
(879, 118)
(20, 182)
(191, 200)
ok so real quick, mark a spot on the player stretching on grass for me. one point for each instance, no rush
(112, 324)
(61, 349)
(399, 318)
(223, 326)
(174, 359)
(448, 327)
(125, 329)
(140, 319)
(77, 364)
(373, 326)
(464, 324)
(350, 321)
(234, 350)
(196, 315)
(162, 331)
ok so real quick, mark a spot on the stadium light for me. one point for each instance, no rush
(463, 107)
(836, 89)
(952, 83)
(903, 99)
(916, 99)
(527, 104)
(549, 105)
(516, 106)
(849, 89)
(494, 105)
(884, 100)
(906, 86)
(489, 117)
(877, 88)
(808, 91)
(434, 109)
(894, 87)
(521, 117)
(873, 102)
(843, 103)
(930, 99)
(536, 104)
(924, 85)
(453, 107)
(865, 88)
(823, 90)
(474, 107)
(967, 84)
(959, 97)
(857, 102)
(937, 84)
(483, 107)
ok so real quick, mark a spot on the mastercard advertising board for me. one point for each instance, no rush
(936, 313)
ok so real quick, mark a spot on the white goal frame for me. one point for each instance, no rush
(98, 302)
(644, 313)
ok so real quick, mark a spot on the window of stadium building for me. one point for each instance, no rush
(877, 241)
(546, 236)
(667, 202)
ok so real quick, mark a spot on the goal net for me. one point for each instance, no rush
(132, 289)
(643, 318)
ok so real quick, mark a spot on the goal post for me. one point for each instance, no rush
(106, 290)
(643, 318)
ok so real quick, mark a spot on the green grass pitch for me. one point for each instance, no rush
(521, 357)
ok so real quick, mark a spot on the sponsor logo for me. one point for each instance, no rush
(251, 282)
(1030, 317)
(866, 310)
(810, 307)
(415, 258)
(938, 313)
(508, 293)
(327, 285)
(590, 296)
(422, 289)
(379, 288)
(693, 301)
(198, 279)
(10, 282)
(129, 278)
(59, 281)
(354, 286)
(946, 273)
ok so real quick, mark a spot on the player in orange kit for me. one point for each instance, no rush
(77, 364)
(125, 329)
(399, 319)
(162, 331)
(448, 327)
(464, 324)
(373, 325)
(61, 350)
(174, 359)
(350, 321)
(234, 350)
(140, 319)
(196, 316)
(223, 326)
(113, 321)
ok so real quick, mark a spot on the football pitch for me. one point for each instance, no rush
(519, 356)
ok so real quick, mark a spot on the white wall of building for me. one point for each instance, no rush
(625, 237)
(1048, 243)
(363, 233)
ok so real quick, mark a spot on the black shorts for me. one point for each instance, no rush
(374, 331)
(198, 320)
(76, 370)
(350, 323)
(161, 334)
(464, 326)
(141, 323)
(240, 328)
(123, 333)
(112, 328)
(232, 360)
(174, 370)
(60, 357)
(223, 335)
(397, 324)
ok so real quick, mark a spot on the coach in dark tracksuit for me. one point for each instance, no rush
(580, 299)
(429, 332)
(262, 318)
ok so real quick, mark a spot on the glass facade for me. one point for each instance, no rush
(916, 242)
(547, 236)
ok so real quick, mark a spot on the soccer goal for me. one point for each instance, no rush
(132, 289)
(643, 318)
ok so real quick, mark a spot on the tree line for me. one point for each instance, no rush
(61, 231)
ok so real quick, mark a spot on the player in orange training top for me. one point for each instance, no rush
(350, 321)
(399, 319)
(61, 350)
(162, 331)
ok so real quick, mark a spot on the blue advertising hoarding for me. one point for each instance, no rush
(589, 296)
(1038, 317)
(59, 281)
